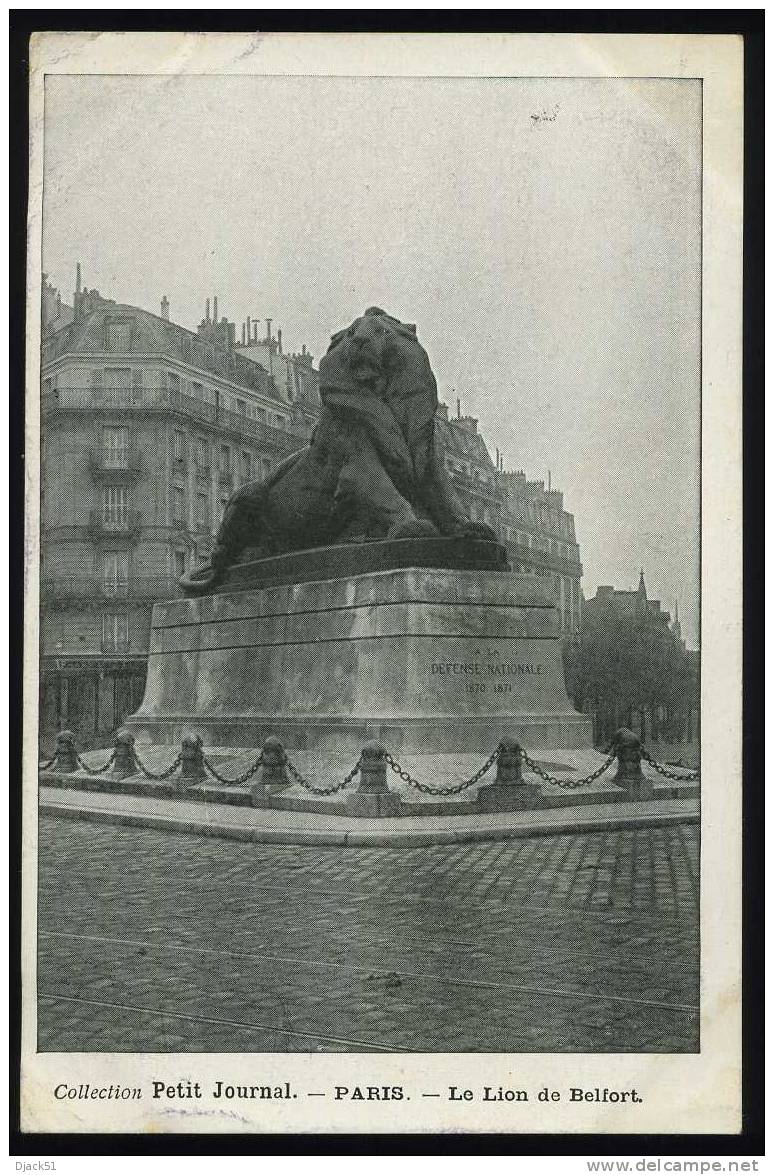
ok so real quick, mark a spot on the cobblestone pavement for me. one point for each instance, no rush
(156, 941)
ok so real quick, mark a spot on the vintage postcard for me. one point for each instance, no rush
(383, 590)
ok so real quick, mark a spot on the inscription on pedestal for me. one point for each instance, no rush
(490, 672)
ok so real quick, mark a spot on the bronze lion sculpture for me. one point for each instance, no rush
(371, 470)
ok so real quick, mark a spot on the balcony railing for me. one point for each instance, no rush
(116, 462)
(169, 400)
(105, 522)
(90, 587)
(112, 646)
(519, 553)
(475, 485)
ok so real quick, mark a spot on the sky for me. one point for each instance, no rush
(543, 234)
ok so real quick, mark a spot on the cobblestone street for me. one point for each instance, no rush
(165, 942)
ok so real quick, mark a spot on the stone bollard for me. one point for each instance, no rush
(191, 761)
(125, 763)
(509, 792)
(628, 750)
(373, 797)
(66, 755)
(273, 772)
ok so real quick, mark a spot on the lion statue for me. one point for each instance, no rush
(371, 470)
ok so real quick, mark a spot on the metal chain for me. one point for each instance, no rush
(441, 791)
(569, 784)
(159, 775)
(95, 770)
(689, 774)
(321, 791)
(240, 779)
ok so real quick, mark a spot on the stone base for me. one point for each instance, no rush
(509, 797)
(355, 559)
(373, 804)
(423, 661)
(636, 789)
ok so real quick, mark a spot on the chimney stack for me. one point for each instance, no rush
(268, 330)
(243, 334)
(78, 277)
(165, 308)
(207, 311)
(279, 341)
(215, 310)
(458, 408)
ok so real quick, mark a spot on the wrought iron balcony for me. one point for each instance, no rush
(116, 463)
(105, 523)
(111, 646)
(519, 553)
(280, 440)
(89, 587)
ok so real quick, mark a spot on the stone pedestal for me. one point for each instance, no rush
(420, 659)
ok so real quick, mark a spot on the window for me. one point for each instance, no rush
(241, 407)
(118, 334)
(115, 448)
(223, 504)
(179, 563)
(115, 632)
(115, 573)
(137, 378)
(118, 378)
(178, 447)
(203, 511)
(173, 381)
(265, 466)
(203, 453)
(280, 421)
(197, 390)
(115, 507)
(178, 506)
(246, 464)
(225, 460)
(260, 414)
(95, 377)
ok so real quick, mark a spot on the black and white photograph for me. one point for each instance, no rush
(369, 593)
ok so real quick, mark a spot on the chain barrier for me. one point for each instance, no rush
(240, 779)
(689, 773)
(441, 791)
(158, 775)
(568, 784)
(321, 791)
(95, 770)
(50, 763)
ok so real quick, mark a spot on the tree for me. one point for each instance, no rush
(630, 663)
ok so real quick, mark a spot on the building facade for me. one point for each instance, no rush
(147, 428)
(530, 520)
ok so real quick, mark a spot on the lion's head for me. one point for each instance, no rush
(371, 347)
(379, 358)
